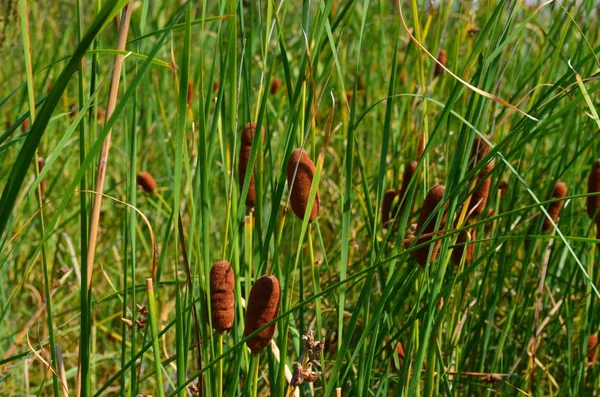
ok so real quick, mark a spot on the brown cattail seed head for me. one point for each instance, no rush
(222, 281)
(242, 166)
(387, 212)
(25, 125)
(458, 251)
(400, 353)
(427, 226)
(592, 349)
(275, 86)
(248, 133)
(146, 182)
(478, 151)
(442, 58)
(594, 187)
(560, 191)
(216, 86)
(482, 190)
(41, 164)
(409, 171)
(73, 110)
(300, 185)
(263, 307)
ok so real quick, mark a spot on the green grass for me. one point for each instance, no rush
(357, 92)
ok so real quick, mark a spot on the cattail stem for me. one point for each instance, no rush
(254, 364)
(220, 366)
(153, 317)
(248, 223)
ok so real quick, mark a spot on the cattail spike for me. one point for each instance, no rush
(427, 226)
(242, 166)
(442, 58)
(222, 282)
(482, 190)
(594, 187)
(592, 349)
(304, 169)
(386, 207)
(457, 252)
(262, 308)
(146, 181)
(560, 191)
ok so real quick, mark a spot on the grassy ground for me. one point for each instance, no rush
(360, 93)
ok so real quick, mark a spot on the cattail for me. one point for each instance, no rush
(25, 125)
(478, 151)
(594, 187)
(560, 191)
(248, 134)
(190, 93)
(592, 349)
(245, 149)
(222, 281)
(482, 190)
(242, 166)
(275, 86)
(303, 168)
(442, 58)
(458, 251)
(216, 85)
(427, 226)
(409, 171)
(262, 308)
(41, 164)
(400, 352)
(386, 207)
(146, 181)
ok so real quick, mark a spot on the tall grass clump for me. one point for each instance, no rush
(153, 153)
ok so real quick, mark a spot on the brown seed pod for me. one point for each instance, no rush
(242, 166)
(560, 191)
(146, 182)
(433, 198)
(73, 110)
(594, 187)
(41, 164)
(442, 58)
(275, 86)
(25, 125)
(300, 189)
(386, 207)
(482, 190)
(222, 282)
(409, 171)
(262, 308)
(458, 251)
(478, 151)
(248, 134)
(400, 353)
(592, 349)
(216, 85)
